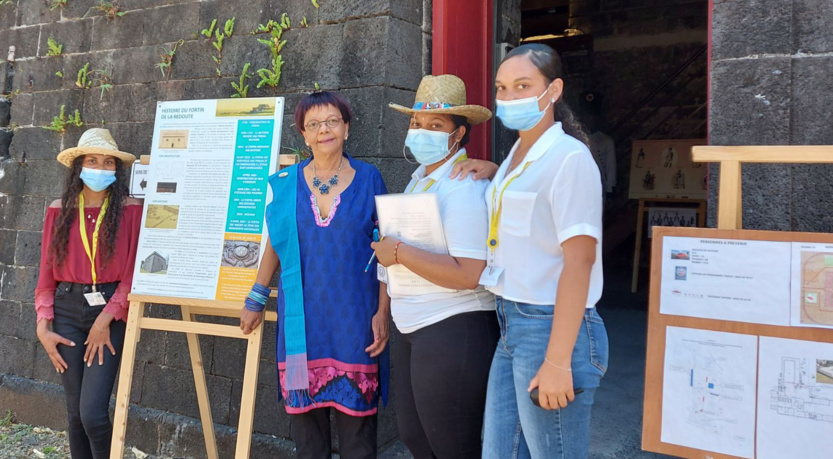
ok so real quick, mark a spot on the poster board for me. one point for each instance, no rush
(203, 233)
(787, 372)
(663, 169)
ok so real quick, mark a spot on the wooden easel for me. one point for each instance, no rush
(644, 205)
(136, 322)
(730, 222)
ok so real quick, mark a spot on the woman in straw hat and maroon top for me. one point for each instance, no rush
(85, 302)
(448, 337)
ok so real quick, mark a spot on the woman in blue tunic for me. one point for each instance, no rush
(333, 318)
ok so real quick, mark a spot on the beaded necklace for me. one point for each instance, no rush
(324, 188)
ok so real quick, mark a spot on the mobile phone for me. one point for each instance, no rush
(534, 395)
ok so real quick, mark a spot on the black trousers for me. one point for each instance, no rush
(87, 389)
(440, 378)
(311, 432)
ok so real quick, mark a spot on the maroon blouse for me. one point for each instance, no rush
(76, 265)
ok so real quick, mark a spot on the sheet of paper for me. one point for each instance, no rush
(203, 230)
(812, 285)
(726, 279)
(795, 399)
(414, 219)
(708, 390)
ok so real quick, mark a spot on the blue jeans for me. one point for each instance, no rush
(513, 426)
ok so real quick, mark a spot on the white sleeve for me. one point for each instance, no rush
(466, 220)
(576, 198)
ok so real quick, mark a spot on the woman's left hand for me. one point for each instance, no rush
(384, 250)
(555, 386)
(381, 333)
(98, 338)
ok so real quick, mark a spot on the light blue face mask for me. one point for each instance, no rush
(521, 114)
(428, 147)
(97, 179)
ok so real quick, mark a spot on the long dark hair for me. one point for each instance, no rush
(548, 63)
(73, 186)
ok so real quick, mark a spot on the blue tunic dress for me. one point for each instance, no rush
(340, 298)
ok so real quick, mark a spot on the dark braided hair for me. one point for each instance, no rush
(73, 186)
(548, 63)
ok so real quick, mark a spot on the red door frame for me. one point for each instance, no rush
(462, 45)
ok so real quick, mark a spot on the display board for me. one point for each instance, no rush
(740, 355)
(664, 169)
(202, 230)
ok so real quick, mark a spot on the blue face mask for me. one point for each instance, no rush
(428, 147)
(97, 179)
(521, 114)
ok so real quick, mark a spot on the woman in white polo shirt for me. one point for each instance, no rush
(443, 356)
(544, 266)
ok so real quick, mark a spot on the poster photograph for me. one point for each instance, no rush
(663, 169)
(203, 230)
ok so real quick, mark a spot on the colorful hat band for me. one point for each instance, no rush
(432, 105)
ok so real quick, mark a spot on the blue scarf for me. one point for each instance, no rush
(283, 233)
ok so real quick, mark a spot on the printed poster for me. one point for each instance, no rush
(663, 169)
(203, 230)
(812, 285)
(726, 279)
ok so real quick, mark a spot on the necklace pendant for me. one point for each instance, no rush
(316, 182)
(334, 180)
(324, 189)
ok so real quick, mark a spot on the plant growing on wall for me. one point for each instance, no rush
(210, 30)
(111, 10)
(168, 59)
(62, 121)
(315, 3)
(82, 81)
(304, 22)
(59, 73)
(6, 2)
(219, 38)
(299, 152)
(55, 4)
(54, 48)
(272, 76)
(241, 90)
(104, 80)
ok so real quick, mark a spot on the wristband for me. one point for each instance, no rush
(396, 252)
(256, 301)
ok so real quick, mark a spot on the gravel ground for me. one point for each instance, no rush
(22, 441)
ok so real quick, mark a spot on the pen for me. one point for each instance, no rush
(372, 257)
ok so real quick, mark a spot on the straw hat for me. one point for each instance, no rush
(96, 141)
(445, 95)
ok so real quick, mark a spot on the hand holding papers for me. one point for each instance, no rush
(415, 220)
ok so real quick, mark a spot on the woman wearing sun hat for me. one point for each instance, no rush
(84, 302)
(448, 339)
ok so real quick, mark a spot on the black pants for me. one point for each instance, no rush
(440, 378)
(87, 389)
(311, 432)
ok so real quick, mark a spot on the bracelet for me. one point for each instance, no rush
(556, 366)
(97, 328)
(256, 301)
(396, 252)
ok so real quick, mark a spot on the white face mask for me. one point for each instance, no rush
(428, 147)
(521, 114)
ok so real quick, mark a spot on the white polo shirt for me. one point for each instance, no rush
(554, 194)
(466, 226)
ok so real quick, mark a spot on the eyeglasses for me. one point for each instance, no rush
(331, 122)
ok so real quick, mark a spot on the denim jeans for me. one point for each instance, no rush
(87, 389)
(513, 426)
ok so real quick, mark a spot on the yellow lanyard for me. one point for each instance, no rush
(497, 210)
(431, 182)
(82, 225)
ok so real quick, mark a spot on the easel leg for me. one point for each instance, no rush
(131, 340)
(637, 248)
(247, 402)
(201, 386)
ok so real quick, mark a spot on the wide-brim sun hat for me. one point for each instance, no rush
(444, 95)
(95, 141)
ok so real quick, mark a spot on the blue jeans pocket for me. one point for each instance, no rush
(534, 311)
(597, 337)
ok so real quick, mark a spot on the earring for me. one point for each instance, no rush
(346, 136)
(307, 143)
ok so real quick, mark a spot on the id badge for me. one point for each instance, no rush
(490, 276)
(95, 299)
(381, 273)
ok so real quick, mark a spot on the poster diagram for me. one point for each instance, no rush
(664, 169)
(203, 229)
(812, 285)
(795, 399)
(708, 399)
(726, 279)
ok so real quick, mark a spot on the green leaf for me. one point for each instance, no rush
(229, 27)
(315, 3)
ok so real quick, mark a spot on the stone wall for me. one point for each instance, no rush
(374, 51)
(771, 85)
